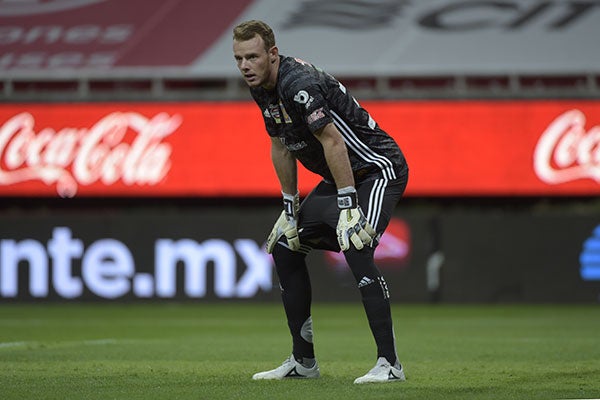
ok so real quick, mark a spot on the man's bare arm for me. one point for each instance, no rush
(285, 167)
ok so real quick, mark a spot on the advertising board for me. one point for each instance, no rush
(396, 38)
(519, 257)
(454, 148)
(217, 254)
(211, 254)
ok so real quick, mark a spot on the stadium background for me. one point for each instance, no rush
(133, 165)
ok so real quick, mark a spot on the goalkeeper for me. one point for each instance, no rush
(311, 118)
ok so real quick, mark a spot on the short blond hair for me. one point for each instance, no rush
(249, 29)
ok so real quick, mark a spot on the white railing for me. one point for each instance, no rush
(169, 87)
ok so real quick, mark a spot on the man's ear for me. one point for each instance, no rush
(273, 54)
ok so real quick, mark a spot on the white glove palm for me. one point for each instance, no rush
(352, 226)
(286, 224)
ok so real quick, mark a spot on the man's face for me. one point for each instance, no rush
(255, 63)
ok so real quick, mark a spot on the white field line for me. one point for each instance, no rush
(95, 342)
(7, 345)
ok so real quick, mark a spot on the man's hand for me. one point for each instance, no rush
(286, 224)
(352, 225)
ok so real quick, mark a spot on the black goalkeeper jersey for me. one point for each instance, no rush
(305, 100)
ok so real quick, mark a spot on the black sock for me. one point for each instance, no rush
(296, 294)
(375, 298)
(377, 308)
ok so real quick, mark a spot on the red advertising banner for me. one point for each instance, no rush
(92, 34)
(454, 148)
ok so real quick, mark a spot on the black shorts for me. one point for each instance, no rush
(318, 215)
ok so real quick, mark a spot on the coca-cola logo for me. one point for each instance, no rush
(121, 146)
(566, 152)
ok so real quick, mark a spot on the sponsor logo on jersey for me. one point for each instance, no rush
(302, 97)
(315, 115)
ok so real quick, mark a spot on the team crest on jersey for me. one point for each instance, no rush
(274, 112)
(278, 113)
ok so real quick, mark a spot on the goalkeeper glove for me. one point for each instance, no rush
(287, 224)
(352, 225)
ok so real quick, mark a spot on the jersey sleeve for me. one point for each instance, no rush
(309, 99)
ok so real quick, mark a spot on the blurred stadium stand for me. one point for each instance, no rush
(110, 50)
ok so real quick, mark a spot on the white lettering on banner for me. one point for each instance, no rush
(108, 268)
(258, 272)
(71, 59)
(566, 152)
(62, 248)
(72, 156)
(66, 35)
(12, 8)
(11, 254)
(196, 257)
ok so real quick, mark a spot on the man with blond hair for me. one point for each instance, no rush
(311, 118)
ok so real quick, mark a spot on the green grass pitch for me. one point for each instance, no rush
(210, 351)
